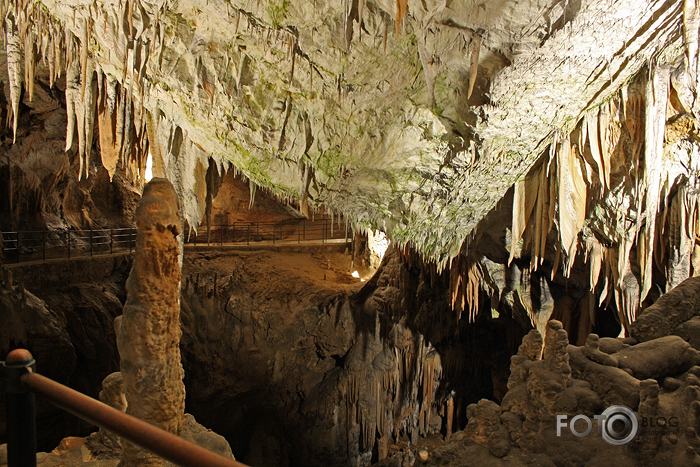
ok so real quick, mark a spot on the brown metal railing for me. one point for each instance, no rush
(293, 231)
(40, 245)
(24, 246)
(21, 383)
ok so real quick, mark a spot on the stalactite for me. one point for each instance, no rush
(84, 52)
(29, 63)
(127, 147)
(691, 26)
(474, 63)
(524, 198)
(120, 125)
(656, 99)
(592, 130)
(89, 106)
(251, 187)
(572, 200)
(14, 69)
(72, 94)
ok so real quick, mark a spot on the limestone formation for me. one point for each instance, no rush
(538, 389)
(105, 444)
(150, 328)
(672, 313)
(657, 358)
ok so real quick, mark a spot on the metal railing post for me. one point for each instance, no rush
(130, 233)
(299, 233)
(22, 383)
(20, 411)
(111, 241)
(323, 232)
(18, 232)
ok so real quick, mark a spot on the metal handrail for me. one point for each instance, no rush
(33, 245)
(21, 383)
(251, 232)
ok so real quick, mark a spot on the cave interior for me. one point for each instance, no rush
(411, 232)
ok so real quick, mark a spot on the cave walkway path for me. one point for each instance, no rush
(20, 247)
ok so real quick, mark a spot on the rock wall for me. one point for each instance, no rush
(295, 365)
(39, 175)
(65, 318)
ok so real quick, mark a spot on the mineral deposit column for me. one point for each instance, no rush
(150, 334)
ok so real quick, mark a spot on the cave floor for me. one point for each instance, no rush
(299, 266)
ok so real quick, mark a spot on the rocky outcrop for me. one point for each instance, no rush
(149, 333)
(672, 313)
(521, 429)
(657, 358)
(298, 363)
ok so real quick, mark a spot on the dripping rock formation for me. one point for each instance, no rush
(534, 164)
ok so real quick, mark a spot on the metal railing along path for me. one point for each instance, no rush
(21, 383)
(286, 231)
(40, 245)
(24, 246)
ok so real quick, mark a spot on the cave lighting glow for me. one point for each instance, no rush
(149, 168)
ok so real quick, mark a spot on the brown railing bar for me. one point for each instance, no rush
(100, 241)
(160, 442)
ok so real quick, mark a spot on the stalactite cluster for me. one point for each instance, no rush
(613, 192)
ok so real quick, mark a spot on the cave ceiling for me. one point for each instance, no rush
(414, 117)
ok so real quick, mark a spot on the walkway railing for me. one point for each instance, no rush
(25, 246)
(21, 383)
(285, 231)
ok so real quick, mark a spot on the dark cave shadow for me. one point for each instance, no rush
(475, 357)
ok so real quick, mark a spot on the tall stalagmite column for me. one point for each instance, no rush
(150, 330)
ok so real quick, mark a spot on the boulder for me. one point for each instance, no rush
(658, 358)
(613, 385)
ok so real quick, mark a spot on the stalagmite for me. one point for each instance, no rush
(150, 330)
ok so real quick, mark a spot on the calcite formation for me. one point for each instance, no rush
(418, 133)
(150, 328)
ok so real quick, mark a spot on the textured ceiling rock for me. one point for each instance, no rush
(417, 129)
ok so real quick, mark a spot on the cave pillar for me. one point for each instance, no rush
(150, 332)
